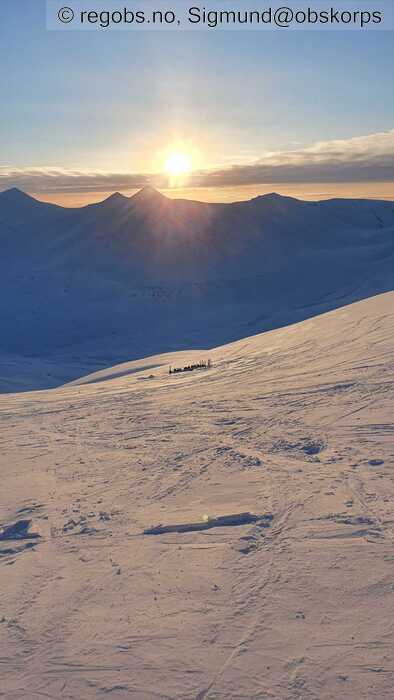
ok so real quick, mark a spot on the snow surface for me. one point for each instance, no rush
(297, 422)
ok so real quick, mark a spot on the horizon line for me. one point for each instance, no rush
(46, 198)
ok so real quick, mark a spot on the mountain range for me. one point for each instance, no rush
(132, 276)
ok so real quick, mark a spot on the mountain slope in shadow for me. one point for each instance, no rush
(129, 277)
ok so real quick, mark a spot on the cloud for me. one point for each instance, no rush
(52, 180)
(358, 159)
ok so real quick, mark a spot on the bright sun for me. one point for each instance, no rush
(177, 164)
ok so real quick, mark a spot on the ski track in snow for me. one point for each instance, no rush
(297, 422)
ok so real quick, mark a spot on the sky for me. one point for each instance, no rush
(83, 114)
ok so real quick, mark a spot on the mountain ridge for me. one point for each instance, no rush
(149, 190)
(131, 276)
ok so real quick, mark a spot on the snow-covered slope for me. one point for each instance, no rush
(135, 276)
(297, 423)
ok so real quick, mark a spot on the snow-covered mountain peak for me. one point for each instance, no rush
(116, 197)
(148, 194)
(15, 196)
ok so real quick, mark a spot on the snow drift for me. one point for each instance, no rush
(297, 423)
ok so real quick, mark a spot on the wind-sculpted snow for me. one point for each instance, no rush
(295, 425)
(208, 523)
(131, 277)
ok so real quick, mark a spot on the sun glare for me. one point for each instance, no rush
(177, 164)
